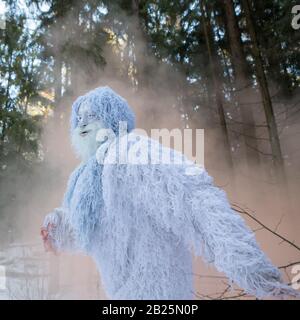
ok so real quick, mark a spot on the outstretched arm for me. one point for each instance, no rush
(226, 241)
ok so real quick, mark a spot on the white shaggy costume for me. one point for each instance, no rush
(140, 221)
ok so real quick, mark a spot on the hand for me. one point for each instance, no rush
(47, 239)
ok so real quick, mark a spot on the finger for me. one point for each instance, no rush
(44, 233)
(44, 236)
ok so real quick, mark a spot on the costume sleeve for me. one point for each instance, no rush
(61, 234)
(224, 239)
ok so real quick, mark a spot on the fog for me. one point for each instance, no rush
(28, 197)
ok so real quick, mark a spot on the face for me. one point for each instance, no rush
(84, 136)
(85, 117)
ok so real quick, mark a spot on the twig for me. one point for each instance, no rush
(259, 151)
(243, 211)
(289, 265)
(278, 224)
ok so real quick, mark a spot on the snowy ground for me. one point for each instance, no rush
(30, 273)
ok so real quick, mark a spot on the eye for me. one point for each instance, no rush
(79, 118)
(91, 115)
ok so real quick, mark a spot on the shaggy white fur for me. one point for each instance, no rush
(141, 221)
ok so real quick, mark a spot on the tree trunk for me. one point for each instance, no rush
(242, 84)
(140, 39)
(265, 94)
(57, 79)
(215, 67)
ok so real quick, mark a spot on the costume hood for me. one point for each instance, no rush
(108, 106)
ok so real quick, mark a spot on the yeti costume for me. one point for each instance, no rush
(141, 222)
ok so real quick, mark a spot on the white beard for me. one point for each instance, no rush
(86, 146)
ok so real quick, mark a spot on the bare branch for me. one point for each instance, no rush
(289, 265)
(243, 211)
